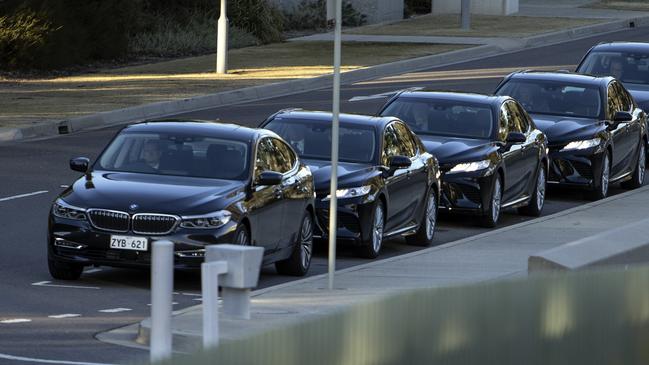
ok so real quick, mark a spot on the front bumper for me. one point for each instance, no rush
(78, 242)
(354, 219)
(575, 168)
(466, 192)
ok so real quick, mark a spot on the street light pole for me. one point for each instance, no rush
(222, 41)
(466, 14)
(333, 202)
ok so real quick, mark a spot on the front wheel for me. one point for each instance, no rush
(600, 190)
(537, 201)
(300, 260)
(371, 248)
(426, 231)
(241, 236)
(64, 270)
(638, 174)
(490, 219)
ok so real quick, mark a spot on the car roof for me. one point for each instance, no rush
(561, 76)
(345, 118)
(622, 47)
(199, 127)
(455, 96)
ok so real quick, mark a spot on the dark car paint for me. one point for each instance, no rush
(258, 206)
(582, 167)
(403, 208)
(471, 191)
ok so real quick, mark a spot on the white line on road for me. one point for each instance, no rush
(23, 195)
(61, 316)
(47, 283)
(172, 303)
(15, 320)
(45, 361)
(115, 310)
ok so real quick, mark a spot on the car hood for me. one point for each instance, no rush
(152, 193)
(562, 129)
(453, 150)
(349, 174)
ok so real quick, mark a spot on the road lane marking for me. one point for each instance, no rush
(47, 283)
(115, 310)
(23, 195)
(172, 303)
(61, 316)
(384, 95)
(46, 361)
(15, 320)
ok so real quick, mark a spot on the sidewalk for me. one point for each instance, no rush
(498, 254)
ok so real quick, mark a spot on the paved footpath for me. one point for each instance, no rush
(498, 254)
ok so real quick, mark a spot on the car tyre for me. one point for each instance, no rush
(535, 206)
(639, 173)
(426, 232)
(300, 260)
(371, 248)
(600, 190)
(64, 270)
(490, 219)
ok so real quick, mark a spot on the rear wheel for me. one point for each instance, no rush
(64, 270)
(600, 190)
(426, 231)
(490, 219)
(300, 260)
(638, 174)
(371, 248)
(537, 201)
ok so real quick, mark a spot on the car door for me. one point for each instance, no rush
(267, 204)
(513, 155)
(623, 140)
(531, 148)
(635, 127)
(417, 173)
(396, 183)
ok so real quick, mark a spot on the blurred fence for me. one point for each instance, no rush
(575, 318)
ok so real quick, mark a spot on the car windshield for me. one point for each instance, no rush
(443, 117)
(311, 139)
(555, 97)
(176, 155)
(632, 68)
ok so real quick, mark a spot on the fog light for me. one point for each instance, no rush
(60, 242)
(191, 253)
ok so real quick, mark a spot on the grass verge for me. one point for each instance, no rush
(641, 5)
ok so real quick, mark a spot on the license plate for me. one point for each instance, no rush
(129, 243)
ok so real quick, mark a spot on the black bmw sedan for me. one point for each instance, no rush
(388, 184)
(596, 133)
(491, 154)
(193, 183)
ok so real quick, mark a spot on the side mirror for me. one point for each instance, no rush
(80, 164)
(622, 117)
(269, 178)
(399, 162)
(516, 137)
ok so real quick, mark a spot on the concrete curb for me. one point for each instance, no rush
(255, 93)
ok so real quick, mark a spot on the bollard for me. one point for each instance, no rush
(162, 280)
(210, 272)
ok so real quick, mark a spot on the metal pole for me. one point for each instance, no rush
(331, 13)
(222, 41)
(210, 272)
(333, 202)
(162, 282)
(466, 14)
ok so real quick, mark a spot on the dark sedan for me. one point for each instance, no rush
(194, 183)
(491, 153)
(596, 133)
(387, 183)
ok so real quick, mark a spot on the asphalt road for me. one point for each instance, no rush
(107, 298)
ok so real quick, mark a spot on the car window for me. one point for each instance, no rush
(391, 144)
(518, 121)
(625, 99)
(269, 158)
(287, 156)
(628, 67)
(503, 129)
(408, 145)
(615, 101)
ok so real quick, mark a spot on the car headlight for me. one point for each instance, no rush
(582, 145)
(207, 221)
(351, 192)
(62, 209)
(471, 166)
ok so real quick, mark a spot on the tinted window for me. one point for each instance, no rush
(271, 156)
(288, 159)
(311, 139)
(443, 117)
(178, 155)
(408, 145)
(555, 97)
(628, 67)
(618, 100)
(391, 144)
(516, 118)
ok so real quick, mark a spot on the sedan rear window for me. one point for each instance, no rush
(311, 139)
(632, 68)
(177, 155)
(443, 117)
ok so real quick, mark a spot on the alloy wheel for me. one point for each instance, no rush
(642, 163)
(377, 229)
(431, 215)
(605, 175)
(540, 189)
(306, 241)
(495, 201)
(242, 238)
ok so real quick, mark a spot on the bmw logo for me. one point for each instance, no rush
(133, 207)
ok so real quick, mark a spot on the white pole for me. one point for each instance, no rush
(222, 41)
(333, 202)
(162, 282)
(331, 13)
(466, 14)
(210, 272)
